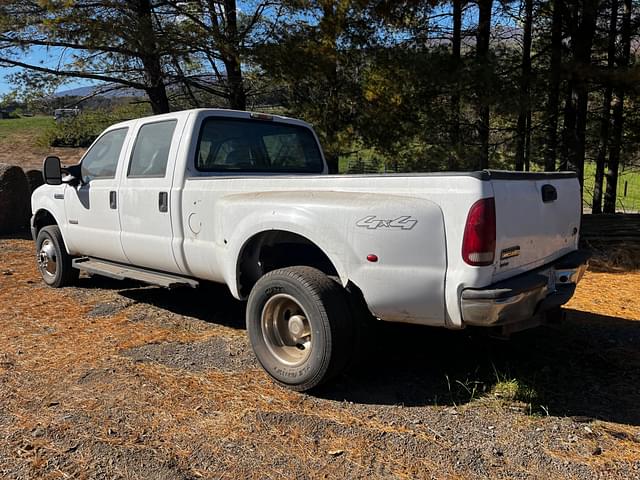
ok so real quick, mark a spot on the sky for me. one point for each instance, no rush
(47, 57)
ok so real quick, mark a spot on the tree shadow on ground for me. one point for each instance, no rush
(588, 365)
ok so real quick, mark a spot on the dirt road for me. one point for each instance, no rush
(110, 380)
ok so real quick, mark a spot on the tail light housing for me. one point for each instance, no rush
(479, 241)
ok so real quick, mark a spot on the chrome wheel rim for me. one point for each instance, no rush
(47, 259)
(286, 330)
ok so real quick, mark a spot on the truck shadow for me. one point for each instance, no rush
(587, 366)
(209, 302)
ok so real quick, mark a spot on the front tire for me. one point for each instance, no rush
(300, 327)
(54, 263)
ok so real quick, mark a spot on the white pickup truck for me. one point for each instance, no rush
(245, 199)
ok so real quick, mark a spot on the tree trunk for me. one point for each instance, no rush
(158, 98)
(331, 26)
(232, 64)
(482, 51)
(522, 127)
(581, 44)
(596, 206)
(455, 97)
(553, 101)
(569, 127)
(618, 113)
(527, 144)
(151, 58)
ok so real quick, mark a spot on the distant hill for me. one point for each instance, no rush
(92, 89)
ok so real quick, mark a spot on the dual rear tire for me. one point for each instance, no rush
(301, 327)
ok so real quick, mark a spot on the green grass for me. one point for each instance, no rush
(627, 203)
(25, 126)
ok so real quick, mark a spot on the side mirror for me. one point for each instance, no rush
(51, 171)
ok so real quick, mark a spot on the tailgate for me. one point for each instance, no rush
(537, 220)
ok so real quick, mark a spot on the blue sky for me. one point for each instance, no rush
(47, 57)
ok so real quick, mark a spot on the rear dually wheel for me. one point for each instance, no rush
(300, 326)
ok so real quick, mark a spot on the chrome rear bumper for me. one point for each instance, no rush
(521, 298)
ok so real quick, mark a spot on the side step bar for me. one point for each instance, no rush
(120, 272)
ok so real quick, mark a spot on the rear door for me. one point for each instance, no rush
(537, 221)
(145, 196)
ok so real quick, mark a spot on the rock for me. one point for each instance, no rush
(597, 451)
(34, 178)
(15, 199)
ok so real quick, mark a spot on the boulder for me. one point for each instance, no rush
(34, 177)
(15, 199)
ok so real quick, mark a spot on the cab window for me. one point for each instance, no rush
(151, 150)
(101, 161)
(239, 145)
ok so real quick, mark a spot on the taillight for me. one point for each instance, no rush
(479, 242)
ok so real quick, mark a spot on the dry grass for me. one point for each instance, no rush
(73, 406)
(20, 151)
(611, 294)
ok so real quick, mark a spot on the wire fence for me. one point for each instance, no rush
(628, 188)
(364, 163)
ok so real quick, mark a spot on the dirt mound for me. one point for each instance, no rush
(15, 199)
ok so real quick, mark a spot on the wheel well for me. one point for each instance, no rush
(42, 219)
(275, 249)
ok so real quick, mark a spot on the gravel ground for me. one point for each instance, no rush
(116, 380)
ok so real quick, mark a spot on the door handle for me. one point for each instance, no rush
(113, 201)
(163, 202)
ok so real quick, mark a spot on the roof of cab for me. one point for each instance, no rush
(210, 112)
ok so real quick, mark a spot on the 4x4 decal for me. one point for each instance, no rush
(371, 222)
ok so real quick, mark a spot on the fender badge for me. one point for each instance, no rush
(371, 222)
(510, 252)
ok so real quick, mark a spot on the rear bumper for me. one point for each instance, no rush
(519, 299)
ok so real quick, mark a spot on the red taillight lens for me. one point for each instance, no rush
(479, 242)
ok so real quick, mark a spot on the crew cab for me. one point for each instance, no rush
(245, 199)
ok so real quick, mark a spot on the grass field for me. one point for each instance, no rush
(33, 126)
(22, 142)
(626, 203)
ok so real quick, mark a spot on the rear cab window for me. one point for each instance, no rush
(151, 150)
(101, 161)
(248, 145)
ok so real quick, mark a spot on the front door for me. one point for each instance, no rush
(145, 196)
(93, 226)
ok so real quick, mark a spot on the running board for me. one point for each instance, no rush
(121, 272)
